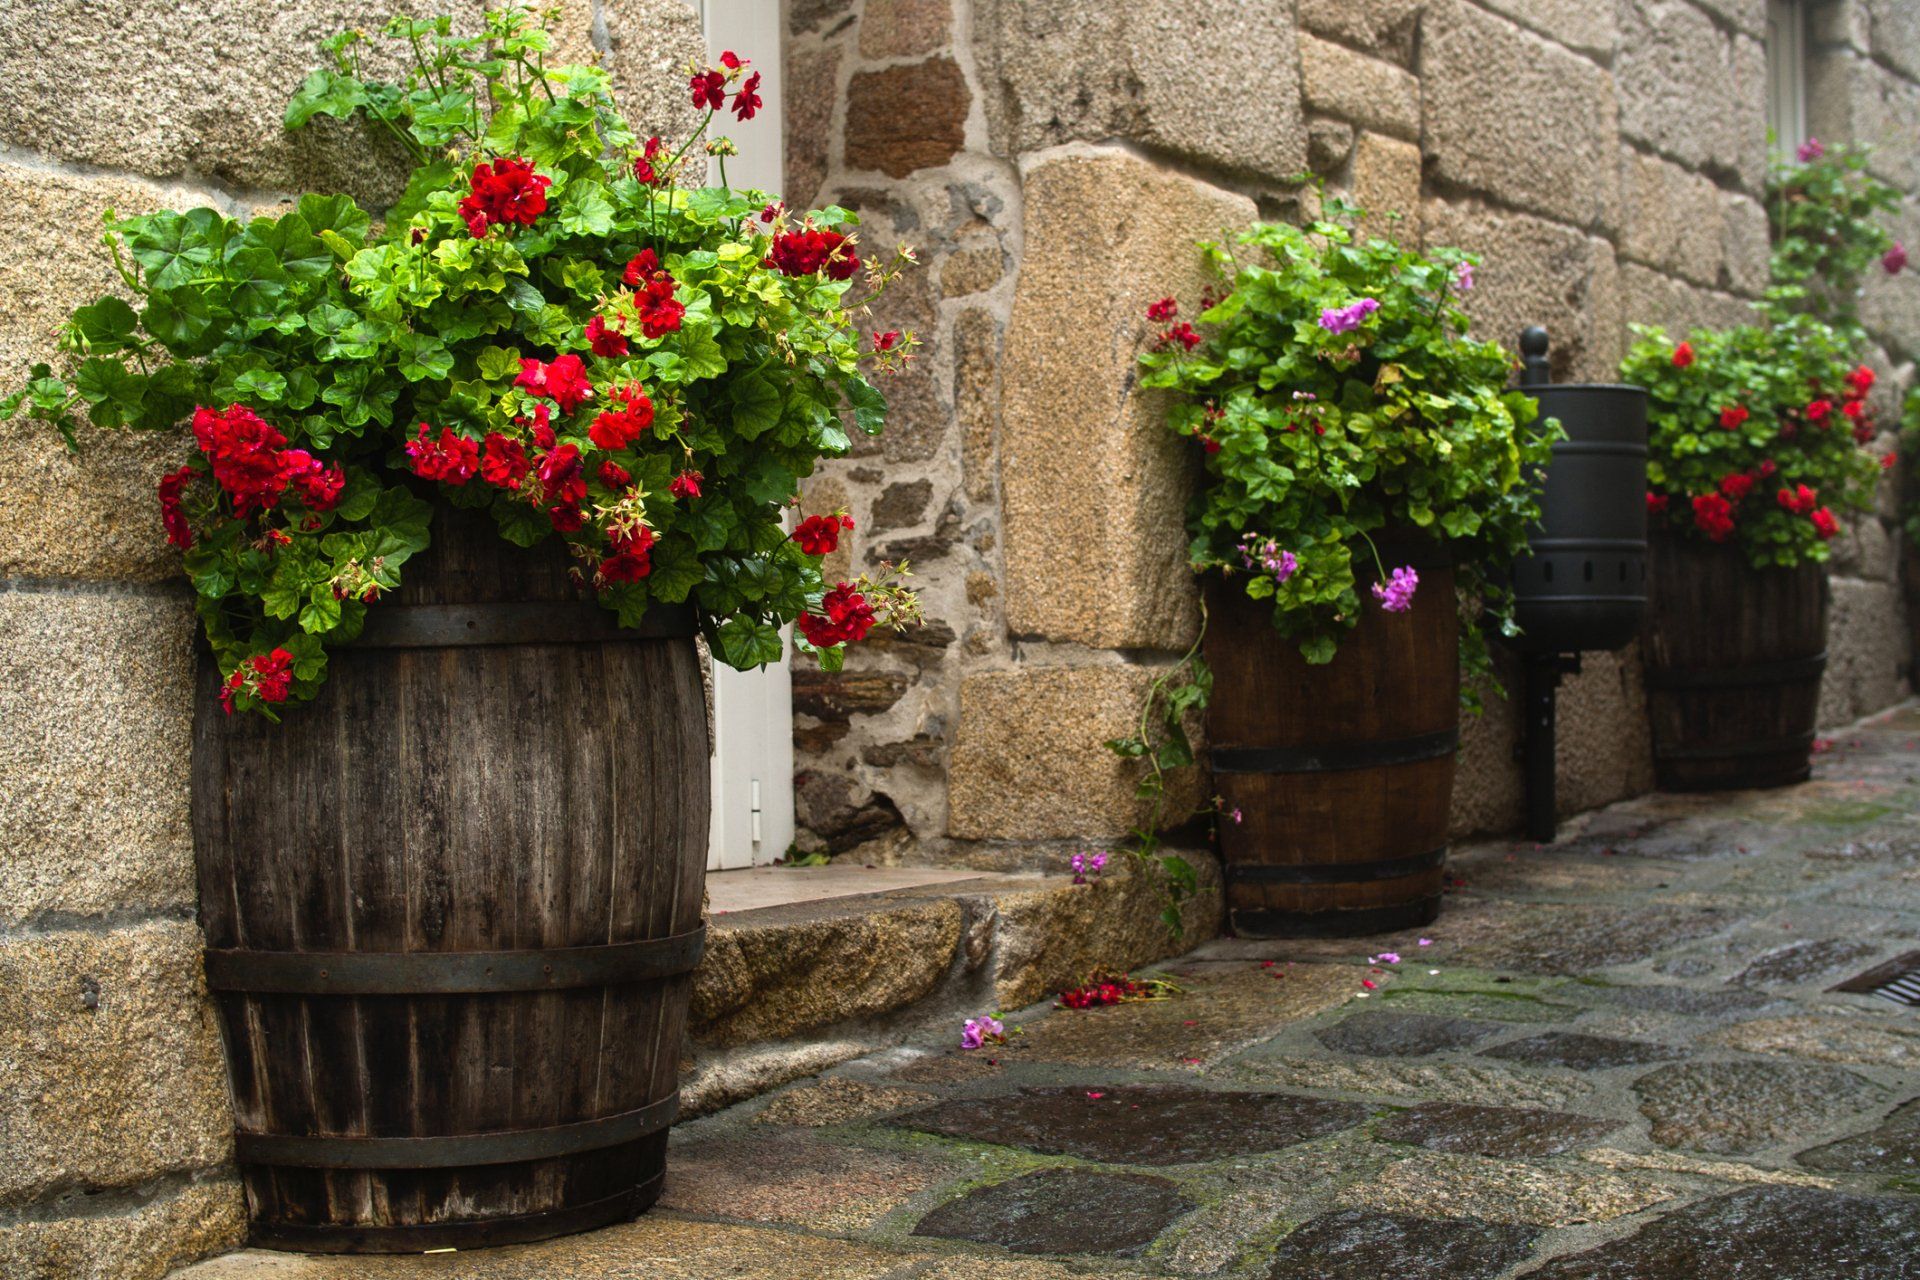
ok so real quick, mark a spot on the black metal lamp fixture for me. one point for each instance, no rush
(1582, 587)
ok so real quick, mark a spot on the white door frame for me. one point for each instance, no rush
(752, 710)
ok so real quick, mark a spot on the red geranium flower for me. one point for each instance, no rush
(1799, 500)
(1683, 355)
(172, 485)
(709, 89)
(567, 519)
(629, 412)
(1163, 311)
(844, 616)
(507, 190)
(632, 558)
(1732, 418)
(450, 459)
(886, 341)
(685, 485)
(505, 463)
(1735, 486)
(1656, 504)
(1823, 523)
(605, 340)
(1861, 380)
(1819, 410)
(1713, 515)
(641, 267)
(1855, 409)
(660, 312)
(562, 478)
(820, 535)
(810, 249)
(644, 168)
(267, 676)
(747, 100)
(614, 476)
(564, 381)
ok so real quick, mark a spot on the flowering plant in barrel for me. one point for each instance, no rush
(555, 323)
(1756, 436)
(1335, 395)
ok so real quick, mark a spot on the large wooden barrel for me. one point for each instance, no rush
(1343, 773)
(1734, 657)
(452, 908)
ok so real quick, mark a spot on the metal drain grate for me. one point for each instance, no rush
(1897, 980)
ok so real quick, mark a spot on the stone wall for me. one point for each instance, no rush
(1054, 161)
(113, 1107)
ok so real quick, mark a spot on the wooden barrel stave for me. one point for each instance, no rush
(1734, 658)
(458, 799)
(1347, 765)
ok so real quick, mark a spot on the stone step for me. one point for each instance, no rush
(786, 991)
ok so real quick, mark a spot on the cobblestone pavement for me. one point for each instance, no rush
(1619, 1058)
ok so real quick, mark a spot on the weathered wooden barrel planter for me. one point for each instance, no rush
(1734, 657)
(1343, 774)
(452, 908)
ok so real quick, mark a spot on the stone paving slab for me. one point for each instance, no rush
(1615, 1058)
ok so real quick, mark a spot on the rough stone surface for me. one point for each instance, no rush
(1585, 28)
(1085, 70)
(658, 1246)
(1688, 1001)
(793, 1182)
(1582, 1052)
(1221, 1010)
(905, 118)
(1731, 1108)
(1867, 645)
(836, 1100)
(1085, 462)
(976, 395)
(1877, 1042)
(1679, 222)
(903, 28)
(1063, 1211)
(1355, 1244)
(813, 82)
(114, 1095)
(143, 1239)
(1492, 1131)
(1537, 272)
(1367, 92)
(1808, 960)
(1893, 1147)
(787, 977)
(1654, 299)
(1384, 28)
(96, 692)
(1687, 90)
(1386, 183)
(1720, 1170)
(62, 515)
(1399, 1081)
(1028, 760)
(1049, 939)
(1139, 1124)
(1403, 1035)
(1793, 1232)
(1457, 1186)
(1487, 84)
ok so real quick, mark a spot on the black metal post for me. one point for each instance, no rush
(1543, 679)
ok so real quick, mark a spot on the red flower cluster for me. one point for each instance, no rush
(1105, 992)
(632, 557)
(251, 465)
(1683, 355)
(452, 459)
(629, 413)
(172, 485)
(1713, 515)
(267, 676)
(1799, 500)
(685, 485)
(1732, 418)
(1735, 485)
(886, 341)
(747, 100)
(660, 312)
(710, 87)
(1163, 311)
(1823, 523)
(1656, 504)
(564, 381)
(844, 616)
(644, 168)
(613, 475)
(508, 190)
(563, 478)
(819, 535)
(1181, 333)
(809, 249)
(604, 339)
(505, 463)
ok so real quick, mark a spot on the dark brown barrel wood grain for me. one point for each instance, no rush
(1343, 774)
(451, 911)
(1734, 657)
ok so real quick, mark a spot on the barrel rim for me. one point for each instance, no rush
(454, 1150)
